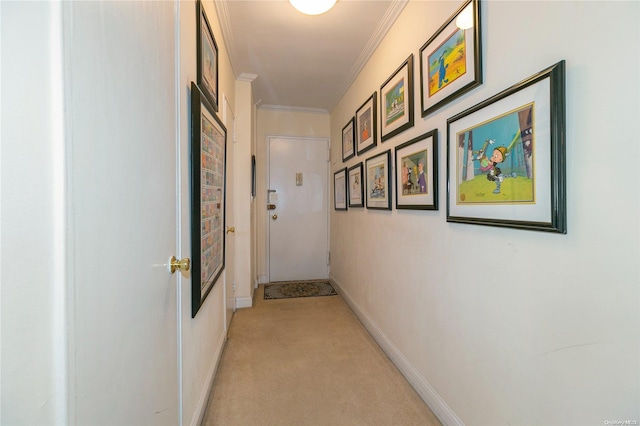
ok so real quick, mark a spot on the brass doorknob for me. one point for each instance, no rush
(182, 264)
(274, 217)
(231, 229)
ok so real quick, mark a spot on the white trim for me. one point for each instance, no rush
(179, 281)
(286, 108)
(263, 279)
(439, 407)
(198, 413)
(244, 302)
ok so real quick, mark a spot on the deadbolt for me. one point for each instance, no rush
(274, 217)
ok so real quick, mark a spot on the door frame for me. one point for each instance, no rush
(268, 186)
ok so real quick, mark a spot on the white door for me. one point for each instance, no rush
(230, 240)
(298, 223)
(121, 154)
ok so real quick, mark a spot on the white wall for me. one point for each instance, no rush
(503, 326)
(273, 122)
(203, 336)
(242, 185)
(32, 370)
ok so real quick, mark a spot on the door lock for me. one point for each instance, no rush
(274, 217)
(182, 264)
(271, 206)
(231, 229)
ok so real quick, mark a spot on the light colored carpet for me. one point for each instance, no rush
(308, 361)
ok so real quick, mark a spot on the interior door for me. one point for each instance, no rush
(298, 218)
(122, 209)
(230, 240)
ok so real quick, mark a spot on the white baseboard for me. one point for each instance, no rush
(440, 408)
(263, 279)
(244, 302)
(198, 414)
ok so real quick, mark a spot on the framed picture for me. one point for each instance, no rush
(208, 163)
(396, 101)
(417, 173)
(366, 125)
(379, 181)
(451, 60)
(253, 176)
(356, 186)
(207, 58)
(340, 189)
(506, 157)
(348, 138)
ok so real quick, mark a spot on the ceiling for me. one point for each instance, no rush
(302, 62)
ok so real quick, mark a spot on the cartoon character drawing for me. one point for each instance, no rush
(481, 156)
(422, 181)
(489, 165)
(442, 72)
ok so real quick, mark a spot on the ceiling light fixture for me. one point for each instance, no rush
(464, 21)
(313, 7)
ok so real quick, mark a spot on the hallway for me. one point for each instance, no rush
(308, 361)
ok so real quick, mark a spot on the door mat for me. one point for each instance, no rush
(293, 289)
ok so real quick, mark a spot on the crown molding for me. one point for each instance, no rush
(227, 34)
(285, 108)
(394, 10)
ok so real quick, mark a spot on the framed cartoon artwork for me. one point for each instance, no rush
(451, 60)
(356, 186)
(506, 157)
(396, 101)
(208, 165)
(379, 181)
(207, 58)
(366, 125)
(417, 173)
(348, 139)
(340, 189)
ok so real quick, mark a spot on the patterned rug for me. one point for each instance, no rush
(288, 290)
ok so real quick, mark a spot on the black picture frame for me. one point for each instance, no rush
(207, 57)
(340, 191)
(348, 140)
(396, 101)
(208, 152)
(356, 185)
(253, 176)
(378, 172)
(451, 59)
(525, 182)
(416, 165)
(367, 125)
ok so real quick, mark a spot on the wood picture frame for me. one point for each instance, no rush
(416, 164)
(451, 60)
(367, 125)
(506, 157)
(208, 152)
(378, 170)
(396, 101)
(207, 57)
